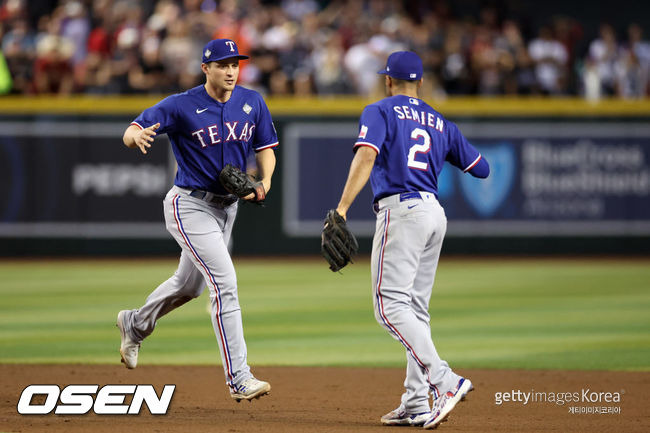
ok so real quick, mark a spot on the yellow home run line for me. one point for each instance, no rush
(343, 106)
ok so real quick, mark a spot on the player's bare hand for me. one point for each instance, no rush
(262, 188)
(145, 137)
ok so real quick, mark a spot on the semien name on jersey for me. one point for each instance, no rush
(404, 112)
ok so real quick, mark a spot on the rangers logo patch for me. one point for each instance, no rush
(363, 132)
(247, 108)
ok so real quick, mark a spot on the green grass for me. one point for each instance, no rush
(559, 314)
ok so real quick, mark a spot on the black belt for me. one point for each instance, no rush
(222, 200)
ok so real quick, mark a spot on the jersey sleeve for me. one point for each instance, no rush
(372, 129)
(461, 153)
(163, 112)
(266, 136)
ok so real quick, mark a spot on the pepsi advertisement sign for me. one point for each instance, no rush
(76, 179)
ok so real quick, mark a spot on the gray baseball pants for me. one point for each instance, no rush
(406, 248)
(203, 230)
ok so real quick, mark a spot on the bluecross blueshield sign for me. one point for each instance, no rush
(545, 179)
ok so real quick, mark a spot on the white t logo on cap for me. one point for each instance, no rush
(231, 44)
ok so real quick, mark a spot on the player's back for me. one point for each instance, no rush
(412, 141)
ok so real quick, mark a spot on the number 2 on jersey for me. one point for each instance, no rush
(419, 148)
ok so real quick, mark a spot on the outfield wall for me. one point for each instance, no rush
(567, 176)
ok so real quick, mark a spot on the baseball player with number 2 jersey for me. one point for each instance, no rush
(402, 146)
(209, 126)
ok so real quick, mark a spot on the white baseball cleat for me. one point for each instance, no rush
(128, 348)
(250, 389)
(446, 402)
(399, 416)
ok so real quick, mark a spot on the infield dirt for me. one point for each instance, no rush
(313, 399)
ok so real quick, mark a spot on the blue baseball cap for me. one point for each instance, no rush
(219, 49)
(403, 65)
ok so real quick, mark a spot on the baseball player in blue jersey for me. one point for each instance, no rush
(209, 126)
(402, 146)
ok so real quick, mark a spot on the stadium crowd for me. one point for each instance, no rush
(307, 47)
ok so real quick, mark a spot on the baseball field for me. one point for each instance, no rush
(551, 326)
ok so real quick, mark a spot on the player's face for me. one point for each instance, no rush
(222, 74)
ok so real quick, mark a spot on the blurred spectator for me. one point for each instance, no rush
(362, 61)
(5, 76)
(591, 81)
(327, 59)
(13, 9)
(633, 65)
(513, 66)
(569, 33)
(636, 43)
(604, 53)
(53, 65)
(484, 58)
(305, 47)
(75, 26)
(455, 69)
(18, 47)
(525, 72)
(631, 76)
(550, 58)
(96, 72)
(124, 58)
(181, 55)
(297, 9)
(294, 56)
(149, 74)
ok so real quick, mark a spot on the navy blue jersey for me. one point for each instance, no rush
(206, 134)
(412, 141)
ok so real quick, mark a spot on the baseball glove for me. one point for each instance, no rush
(239, 183)
(338, 244)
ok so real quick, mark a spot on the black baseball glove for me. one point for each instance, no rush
(239, 183)
(338, 244)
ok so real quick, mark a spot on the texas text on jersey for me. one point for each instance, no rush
(206, 134)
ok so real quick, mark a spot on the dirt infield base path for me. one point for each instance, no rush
(331, 400)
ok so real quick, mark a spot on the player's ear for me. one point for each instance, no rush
(204, 67)
(388, 84)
